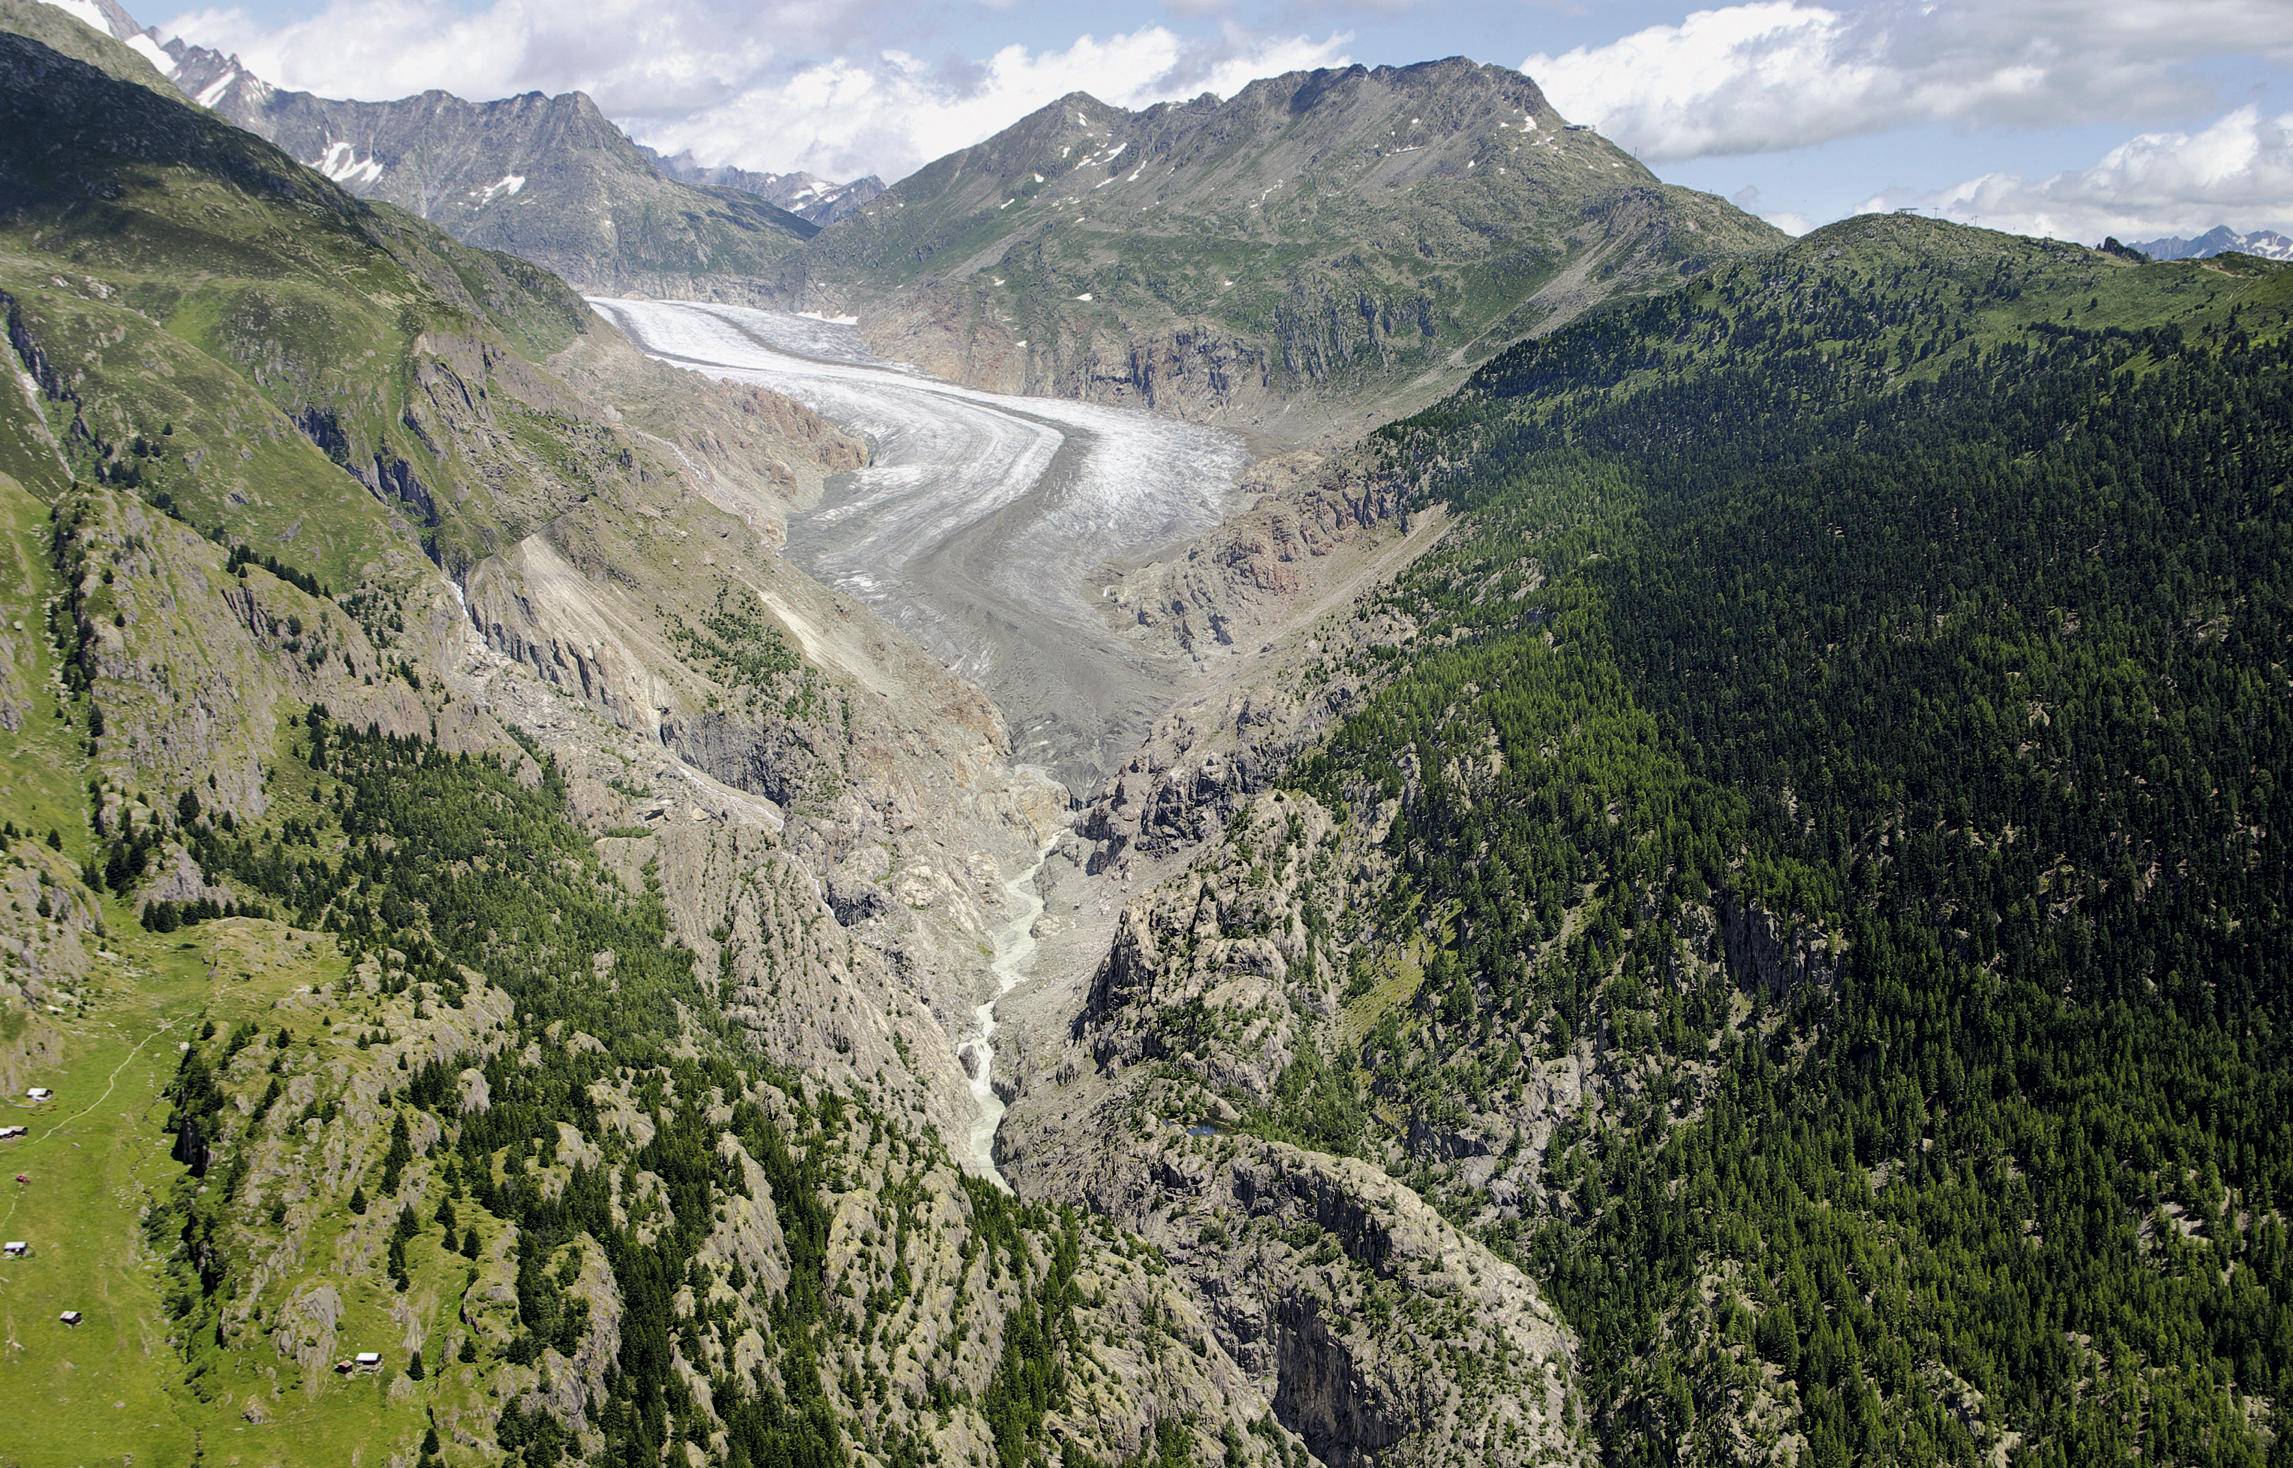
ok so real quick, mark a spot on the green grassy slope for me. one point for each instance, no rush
(175, 263)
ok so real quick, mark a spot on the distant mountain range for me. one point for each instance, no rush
(804, 195)
(551, 179)
(2220, 240)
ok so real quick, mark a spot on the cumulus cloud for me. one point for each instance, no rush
(671, 53)
(1776, 74)
(892, 112)
(1790, 221)
(2236, 171)
(781, 85)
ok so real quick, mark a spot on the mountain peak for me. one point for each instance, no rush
(2220, 240)
(1084, 227)
(802, 194)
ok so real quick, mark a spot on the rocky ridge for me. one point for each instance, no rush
(549, 179)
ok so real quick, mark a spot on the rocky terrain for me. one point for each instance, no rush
(707, 893)
(986, 527)
(1301, 261)
(220, 655)
(828, 818)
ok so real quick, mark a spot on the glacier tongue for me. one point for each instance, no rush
(981, 518)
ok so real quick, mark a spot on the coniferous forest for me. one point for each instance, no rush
(1826, 590)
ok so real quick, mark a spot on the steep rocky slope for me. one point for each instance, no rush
(548, 179)
(1706, 899)
(1711, 887)
(1353, 237)
(1381, 1332)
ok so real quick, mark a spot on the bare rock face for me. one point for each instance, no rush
(1285, 587)
(1766, 953)
(1381, 1333)
(48, 943)
(180, 880)
(303, 1330)
(814, 996)
(1203, 967)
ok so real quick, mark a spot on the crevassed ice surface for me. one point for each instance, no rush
(979, 523)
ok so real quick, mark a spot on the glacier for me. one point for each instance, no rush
(986, 525)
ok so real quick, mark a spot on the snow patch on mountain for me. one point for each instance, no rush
(802, 194)
(86, 13)
(341, 163)
(145, 47)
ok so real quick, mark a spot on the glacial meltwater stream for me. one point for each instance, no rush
(1014, 946)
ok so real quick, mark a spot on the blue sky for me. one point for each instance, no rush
(2134, 117)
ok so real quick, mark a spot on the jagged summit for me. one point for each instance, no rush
(2266, 244)
(805, 195)
(548, 178)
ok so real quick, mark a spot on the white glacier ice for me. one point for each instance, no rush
(981, 518)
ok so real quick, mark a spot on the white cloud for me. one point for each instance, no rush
(782, 85)
(670, 53)
(1779, 74)
(1790, 221)
(2237, 171)
(892, 113)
